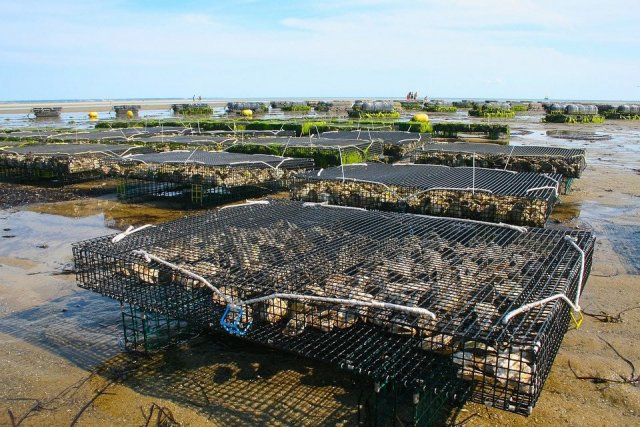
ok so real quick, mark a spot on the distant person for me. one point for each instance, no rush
(415, 95)
(194, 98)
(200, 98)
(408, 96)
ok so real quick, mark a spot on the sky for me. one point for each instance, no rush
(517, 49)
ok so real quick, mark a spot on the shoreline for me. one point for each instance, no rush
(102, 106)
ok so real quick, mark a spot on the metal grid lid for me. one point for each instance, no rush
(469, 274)
(513, 150)
(431, 177)
(217, 158)
(72, 149)
(310, 142)
(388, 137)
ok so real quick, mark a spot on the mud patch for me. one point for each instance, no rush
(14, 195)
(235, 383)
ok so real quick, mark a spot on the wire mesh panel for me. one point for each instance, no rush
(145, 332)
(474, 193)
(397, 297)
(395, 144)
(68, 162)
(204, 177)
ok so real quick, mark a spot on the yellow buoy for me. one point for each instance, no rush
(420, 117)
(247, 113)
(93, 115)
(130, 114)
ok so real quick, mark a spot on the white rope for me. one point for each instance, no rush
(236, 304)
(485, 190)
(250, 162)
(573, 243)
(149, 257)
(546, 187)
(247, 203)
(129, 231)
(473, 179)
(575, 305)
(509, 157)
(327, 205)
(344, 301)
(531, 305)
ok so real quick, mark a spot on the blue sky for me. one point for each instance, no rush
(337, 48)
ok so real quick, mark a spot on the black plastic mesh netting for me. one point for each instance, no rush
(568, 162)
(357, 288)
(463, 192)
(204, 177)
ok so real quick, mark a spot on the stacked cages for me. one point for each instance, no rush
(61, 162)
(565, 161)
(463, 192)
(126, 135)
(149, 331)
(202, 177)
(325, 152)
(406, 299)
(395, 144)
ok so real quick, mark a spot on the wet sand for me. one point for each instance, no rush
(60, 343)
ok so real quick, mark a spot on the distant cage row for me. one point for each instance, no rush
(477, 191)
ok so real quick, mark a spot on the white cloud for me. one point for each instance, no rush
(352, 48)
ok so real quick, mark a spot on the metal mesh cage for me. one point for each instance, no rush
(325, 152)
(204, 177)
(148, 331)
(395, 144)
(189, 135)
(568, 162)
(474, 193)
(397, 297)
(67, 162)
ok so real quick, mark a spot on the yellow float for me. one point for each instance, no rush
(420, 117)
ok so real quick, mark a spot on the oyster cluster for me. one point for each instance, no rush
(56, 164)
(483, 206)
(570, 167)
(467, 285)
(510, 367)
(201, 174)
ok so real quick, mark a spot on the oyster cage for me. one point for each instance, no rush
(325, 152)
(569, 162)
(397, 297)
(473, 193)
(144, 332)
(395, 144)
(65, 162)
(203, 177)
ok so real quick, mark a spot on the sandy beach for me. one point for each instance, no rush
(61, 360)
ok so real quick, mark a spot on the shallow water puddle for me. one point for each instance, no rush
(625, 240)
(115, 214)
(81, 327)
